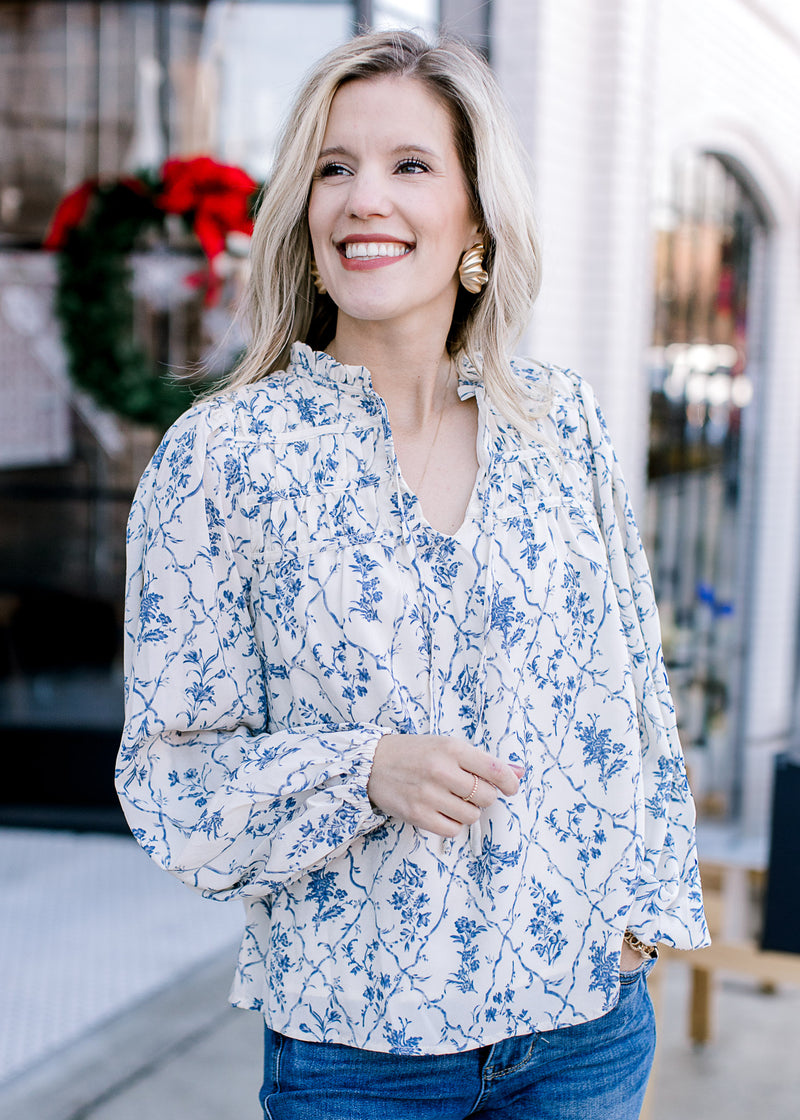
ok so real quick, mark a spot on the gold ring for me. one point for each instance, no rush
(473, 791)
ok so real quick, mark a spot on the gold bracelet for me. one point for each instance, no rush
(639, 945)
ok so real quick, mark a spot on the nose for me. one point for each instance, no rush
(369, 195)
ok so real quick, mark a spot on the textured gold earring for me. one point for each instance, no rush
(317, 279)
(471, 271)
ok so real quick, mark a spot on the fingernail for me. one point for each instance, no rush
(518, 770)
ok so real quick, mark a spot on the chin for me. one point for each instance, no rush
(386, 308)
(372, 311)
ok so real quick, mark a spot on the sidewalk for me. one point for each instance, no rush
(89, 926)
(173, 1049)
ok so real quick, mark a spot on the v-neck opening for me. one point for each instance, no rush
(470, 512)
(474, 502)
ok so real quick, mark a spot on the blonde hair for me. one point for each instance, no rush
(282, 304)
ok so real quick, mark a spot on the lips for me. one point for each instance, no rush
(364, 252)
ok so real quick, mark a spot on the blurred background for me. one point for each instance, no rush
(665, 140)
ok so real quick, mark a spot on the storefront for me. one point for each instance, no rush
(103, 91)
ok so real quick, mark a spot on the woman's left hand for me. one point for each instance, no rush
(438, 783)
(630, 959)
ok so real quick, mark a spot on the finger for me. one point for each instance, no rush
(445, 826)
(442, 824)
(457, 809)
(491, 770)
(474, 781)
(480, 793)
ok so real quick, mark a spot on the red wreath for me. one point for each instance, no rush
(214, 199)
(94, 231)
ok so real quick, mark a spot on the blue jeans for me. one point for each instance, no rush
(592, 1071)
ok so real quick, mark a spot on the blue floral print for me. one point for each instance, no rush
(288, 604)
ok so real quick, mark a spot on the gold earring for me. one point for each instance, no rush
(317, 279)
(471, 271)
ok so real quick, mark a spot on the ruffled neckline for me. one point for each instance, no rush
(320, 364)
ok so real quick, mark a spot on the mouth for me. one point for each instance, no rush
(373, 250)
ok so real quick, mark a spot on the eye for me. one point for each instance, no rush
(331, 170)
(411, 166)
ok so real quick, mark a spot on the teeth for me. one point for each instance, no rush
(369, 249)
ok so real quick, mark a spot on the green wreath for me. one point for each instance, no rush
(95, 229)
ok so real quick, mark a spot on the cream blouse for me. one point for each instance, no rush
(288, 605)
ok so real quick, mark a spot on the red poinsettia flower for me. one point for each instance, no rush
(69, 214)
(217, 195)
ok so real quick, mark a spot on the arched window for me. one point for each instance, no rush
(705, 390)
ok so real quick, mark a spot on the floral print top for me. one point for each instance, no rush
(288, 605)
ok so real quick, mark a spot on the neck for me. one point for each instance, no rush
(409, 369)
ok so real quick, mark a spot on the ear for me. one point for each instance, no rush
(477, 234)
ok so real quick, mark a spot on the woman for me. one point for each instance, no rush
(394, 670)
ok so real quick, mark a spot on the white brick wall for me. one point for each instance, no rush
(576, 76)
(606, 93)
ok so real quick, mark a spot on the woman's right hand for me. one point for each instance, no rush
(426, 780)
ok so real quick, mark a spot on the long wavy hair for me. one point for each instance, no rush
(282, 303)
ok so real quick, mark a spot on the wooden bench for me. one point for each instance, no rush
(734, 880)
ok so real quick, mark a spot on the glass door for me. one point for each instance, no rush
(704, 368)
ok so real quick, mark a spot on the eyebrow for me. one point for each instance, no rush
(399, 150)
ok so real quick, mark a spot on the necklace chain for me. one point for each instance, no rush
(436, 433)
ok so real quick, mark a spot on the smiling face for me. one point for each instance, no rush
(389, 213)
